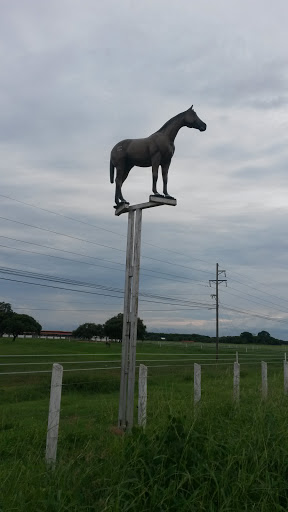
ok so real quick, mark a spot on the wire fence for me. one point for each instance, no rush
(169, 361)
(25, 403)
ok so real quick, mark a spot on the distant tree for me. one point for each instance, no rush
(264, 337)
(5, 308)
(16, 324)
(231, 339)
(88, 331)
(5, 311)
(246, 337)
(263, 334)
(141, 329)
(114, 326)
(99, 331)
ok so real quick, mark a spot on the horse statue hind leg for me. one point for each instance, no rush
(122, 172)
(121, 176)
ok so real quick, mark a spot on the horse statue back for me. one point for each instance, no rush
(153, 151)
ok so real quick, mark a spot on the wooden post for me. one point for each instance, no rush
(285, 377)
(236, 357)
(130, 315)
(264, 380)
(126, 321)
(236, 382)
(134, 319)
(197, 383)
(142, 396)
(54, 414)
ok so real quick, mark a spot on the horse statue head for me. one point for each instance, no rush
(191, 120)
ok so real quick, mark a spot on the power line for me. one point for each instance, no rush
(261, 291)
(101, 245)
(62, 234)
(96, 310)
(61, 250)
(62, 215)
(183, 278)
(254, 288)
(254, 301)
(253, 314)
(73, 282)
(26, 299)
(58, 279)
(98, 227)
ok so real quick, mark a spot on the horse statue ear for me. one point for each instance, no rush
(191, 108)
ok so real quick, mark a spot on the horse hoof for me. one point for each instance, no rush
(121, 203)
(157, 195)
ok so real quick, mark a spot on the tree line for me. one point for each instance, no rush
(112, 329)
(15, 323)
(263, 338)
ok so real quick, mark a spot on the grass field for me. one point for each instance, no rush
(219, 457)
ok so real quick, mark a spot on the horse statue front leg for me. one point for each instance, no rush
(155, 167)
(165, 169)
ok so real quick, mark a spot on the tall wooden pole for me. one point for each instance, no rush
(134, 318)
(126, 321)
(130, 314)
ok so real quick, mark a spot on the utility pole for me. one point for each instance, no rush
(216, 296)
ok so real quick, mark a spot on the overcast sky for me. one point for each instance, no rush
(76, 78)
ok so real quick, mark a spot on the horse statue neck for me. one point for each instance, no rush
(172, 127)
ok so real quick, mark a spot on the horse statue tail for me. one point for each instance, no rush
(111, 172)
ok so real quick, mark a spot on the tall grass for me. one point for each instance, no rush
(222, 459)
(218, 457)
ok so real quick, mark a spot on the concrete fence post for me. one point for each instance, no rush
(264, 380)
(236, 382)
(197, 383)
(54, 414)
(142, 396)
(285, 377)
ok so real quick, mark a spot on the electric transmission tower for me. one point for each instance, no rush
(216, 296)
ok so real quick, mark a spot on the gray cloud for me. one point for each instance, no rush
(74, 81)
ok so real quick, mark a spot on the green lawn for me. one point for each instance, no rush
(217, 457)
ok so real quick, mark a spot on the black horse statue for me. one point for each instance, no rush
(155, 150)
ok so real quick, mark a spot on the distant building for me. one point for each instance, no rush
(56, 334)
